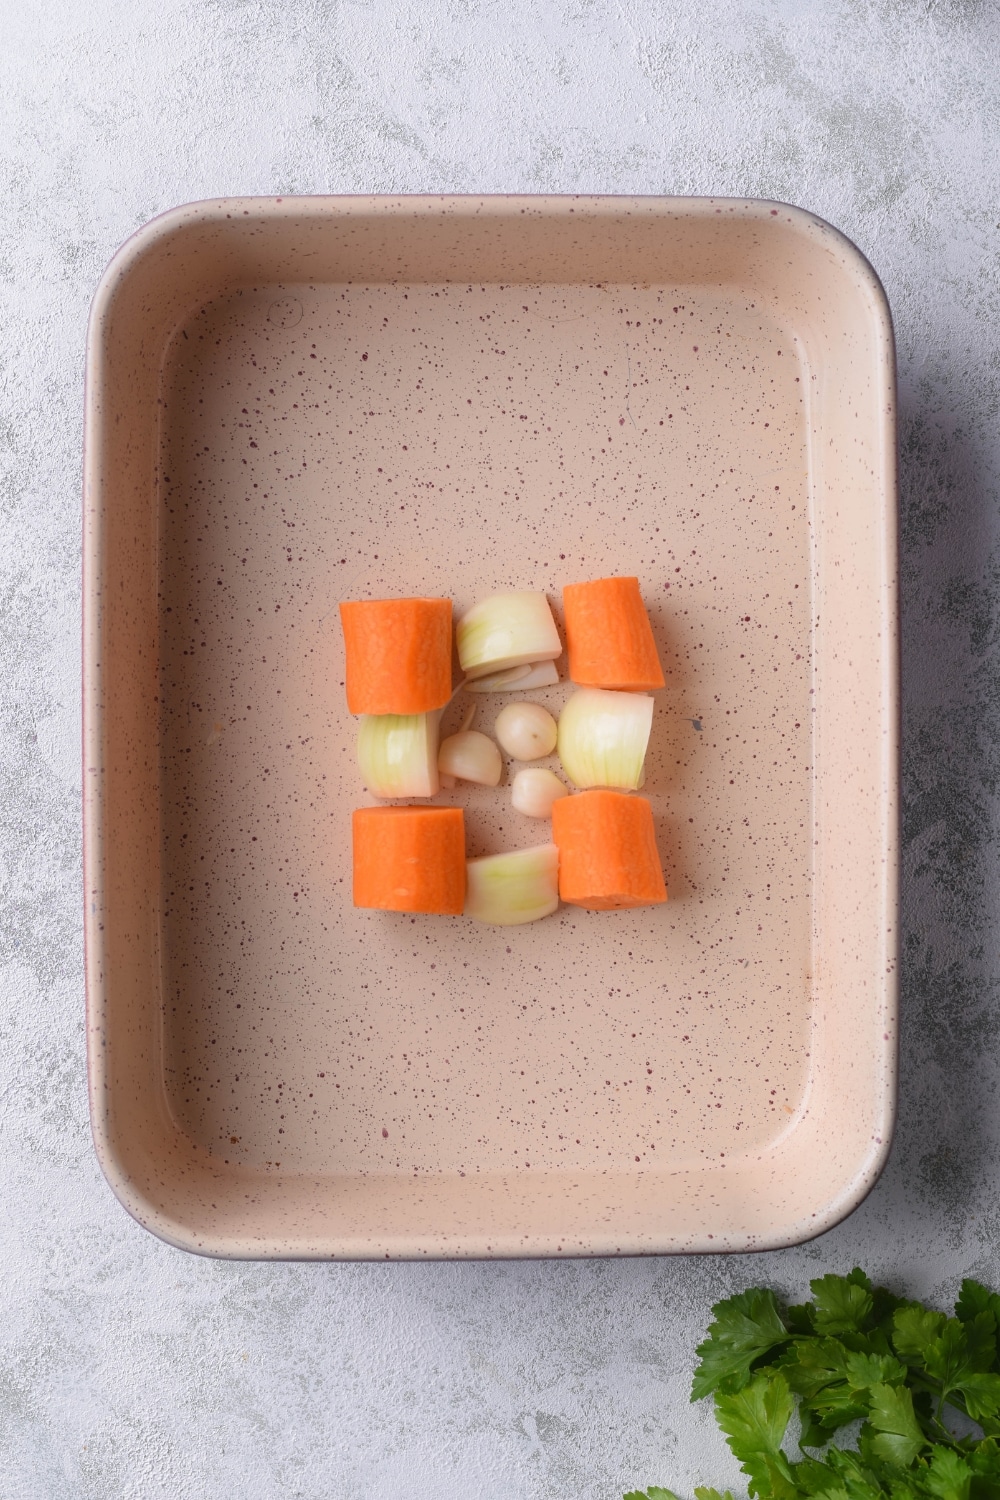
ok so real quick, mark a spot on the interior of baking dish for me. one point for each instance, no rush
(291, 402)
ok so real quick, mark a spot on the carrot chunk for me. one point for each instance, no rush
(398, 655)
(608, 636)
(607, 851)
(410, 859)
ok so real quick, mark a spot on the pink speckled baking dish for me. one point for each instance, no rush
(295, 401)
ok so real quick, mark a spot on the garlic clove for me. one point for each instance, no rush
(527, 731)
(534, 790)
(470, 756)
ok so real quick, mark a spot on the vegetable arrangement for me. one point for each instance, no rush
(603, 850)
(856, 1353)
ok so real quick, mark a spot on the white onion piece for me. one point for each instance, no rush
(499, 682)
(542, 674)
(398, 754)
(538, 674)
(508, 630)
(603, 737)
(534, 790)
(507, 889)
(470, 756)
(527, 731)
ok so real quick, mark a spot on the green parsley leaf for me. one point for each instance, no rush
(885, 1304)
(744, 1328)
(981, 1332)
(949, 1476)
(769, 1477)
(814, 1434)
(656, 1493)
(799, 1318)
(703, 1494)
(914, 1328)
(842, 1304)
(812, 1475)
(811, 1364)
(984, 1461)
(835, 1406)
(957, 1368)
(905, 1487)
(900, 1437)
(946, 1358)
(831, 1490)
(985, 1458)
(982, 1395)
(974, 1300)
(866, 1370)
(854, 1474)
(985, 1489)
(755, 1418)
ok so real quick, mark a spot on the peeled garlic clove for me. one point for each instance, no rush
(534, 790)
(527, 731)
(470, 756)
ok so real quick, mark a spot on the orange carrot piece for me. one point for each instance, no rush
(410, 859)
(608, 636)
(398, 655)
(607, 851)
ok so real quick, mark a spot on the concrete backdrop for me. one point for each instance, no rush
(129, 1369)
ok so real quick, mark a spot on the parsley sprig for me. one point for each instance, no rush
(855, 1353)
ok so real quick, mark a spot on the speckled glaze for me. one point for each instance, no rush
(291, 402)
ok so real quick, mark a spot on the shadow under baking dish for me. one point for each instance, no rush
(293, 403)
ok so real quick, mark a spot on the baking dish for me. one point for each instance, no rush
(293, 401)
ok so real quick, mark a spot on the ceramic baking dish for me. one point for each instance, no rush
(294, 401)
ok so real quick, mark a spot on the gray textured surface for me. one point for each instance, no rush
(131, 1370)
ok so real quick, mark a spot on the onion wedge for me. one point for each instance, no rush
(398, 754)
(507, 889)
(603, 737)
